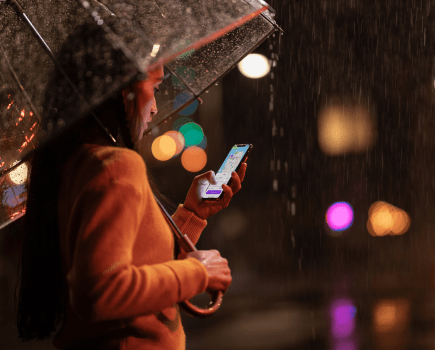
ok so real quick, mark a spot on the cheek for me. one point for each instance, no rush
(143, 91)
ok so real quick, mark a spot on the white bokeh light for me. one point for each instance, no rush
(19, 175)
(254, 66)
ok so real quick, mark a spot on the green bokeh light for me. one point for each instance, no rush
(179, 46)
(193, 134)
(180, 122)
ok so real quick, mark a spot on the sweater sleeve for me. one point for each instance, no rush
(104, 284)
(188, 223)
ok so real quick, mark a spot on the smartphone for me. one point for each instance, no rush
(235, 158)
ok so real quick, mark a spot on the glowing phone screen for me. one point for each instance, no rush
(224, 174)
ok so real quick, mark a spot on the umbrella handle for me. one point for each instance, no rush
(217, 296)
(196, 311)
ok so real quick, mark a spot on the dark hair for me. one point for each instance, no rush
(43, 291)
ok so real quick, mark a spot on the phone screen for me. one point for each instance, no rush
(230, 164)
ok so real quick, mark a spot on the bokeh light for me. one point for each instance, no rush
(342, 313)
(254, 66)
(192, 133)
(19, 175)
(178, 45)
(203, 143)
(194, 159)
(180, 122)
(391, 315)
(163, 147)
(386, 219)
(183, 98)
(178, 139)
(187, 54)
(186, 73)
(18, 214)
(347, 344)
(339, 216)
(401, 221)
(345, 128)
(13, 196)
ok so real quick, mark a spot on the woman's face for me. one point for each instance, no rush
(140, 103)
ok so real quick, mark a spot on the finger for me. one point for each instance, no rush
(227, 196)
(236, 183)
(242, 171)
(206, 178)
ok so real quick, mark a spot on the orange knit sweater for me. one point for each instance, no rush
(118, 251)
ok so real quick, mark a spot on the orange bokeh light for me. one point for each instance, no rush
(391, 315)
(387, 219)
(194, 159)
(401, 222)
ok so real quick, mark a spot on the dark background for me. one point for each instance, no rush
(286, 269)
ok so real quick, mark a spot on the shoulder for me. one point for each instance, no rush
(112, 165)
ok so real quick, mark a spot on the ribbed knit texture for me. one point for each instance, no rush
(118, 251)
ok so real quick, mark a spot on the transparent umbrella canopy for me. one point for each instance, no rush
(98, 48)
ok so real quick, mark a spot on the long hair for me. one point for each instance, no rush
(43, 289)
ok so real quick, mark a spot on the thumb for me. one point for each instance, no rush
(208, 177)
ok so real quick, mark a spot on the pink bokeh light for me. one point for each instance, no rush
(339, 216)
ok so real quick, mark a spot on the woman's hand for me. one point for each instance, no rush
(205, 209)
(219, 274)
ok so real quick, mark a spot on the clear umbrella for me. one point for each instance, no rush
(97, 49)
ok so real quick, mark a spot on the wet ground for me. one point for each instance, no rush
(275, 317)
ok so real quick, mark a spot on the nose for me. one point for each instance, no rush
(154, 107)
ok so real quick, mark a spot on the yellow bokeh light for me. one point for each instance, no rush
(254, 66)
(19, 175)
(194, 159)
(391, 315)
(178, 139)
(163, 148)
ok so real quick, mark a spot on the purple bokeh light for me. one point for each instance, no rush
(339, 216)
(342, 314)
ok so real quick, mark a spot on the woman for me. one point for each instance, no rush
(97, 254)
